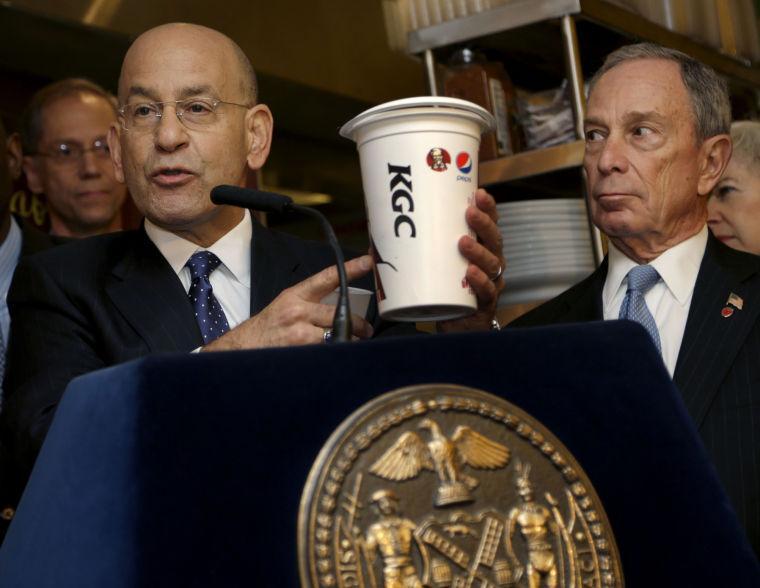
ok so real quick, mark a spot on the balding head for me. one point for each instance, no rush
(149, 50)
(174, 156)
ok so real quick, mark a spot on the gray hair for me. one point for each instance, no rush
(707, 90)
(745, 135)
(31, 121)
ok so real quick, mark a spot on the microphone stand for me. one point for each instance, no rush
(341, 329)
(271, 202)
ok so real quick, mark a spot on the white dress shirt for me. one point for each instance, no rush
(669, 299)
(231, 281)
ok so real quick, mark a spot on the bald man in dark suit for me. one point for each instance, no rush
(189, 120)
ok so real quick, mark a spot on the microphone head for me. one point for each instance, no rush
(248, 198)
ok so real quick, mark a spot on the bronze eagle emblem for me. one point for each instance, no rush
(409, 455)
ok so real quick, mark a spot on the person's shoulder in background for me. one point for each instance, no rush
(33, 240)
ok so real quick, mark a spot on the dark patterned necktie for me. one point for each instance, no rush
(634, 308)
(208, 311)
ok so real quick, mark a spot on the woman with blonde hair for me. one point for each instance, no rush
(734, 205)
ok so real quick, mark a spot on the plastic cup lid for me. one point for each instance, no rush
(487, 121)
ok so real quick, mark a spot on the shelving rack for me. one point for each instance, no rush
(514, 25)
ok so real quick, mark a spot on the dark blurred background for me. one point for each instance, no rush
(320, 62)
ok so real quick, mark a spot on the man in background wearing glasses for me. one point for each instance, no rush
(197, 276)
(66, 157)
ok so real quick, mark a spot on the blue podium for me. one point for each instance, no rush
(186, 470)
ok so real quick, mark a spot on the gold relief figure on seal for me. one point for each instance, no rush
(409, 454)
(443, 486)
(392, 536)
(536, 527)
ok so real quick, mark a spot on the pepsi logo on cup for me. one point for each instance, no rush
(464, 165)
(438, 159)
(464, 162)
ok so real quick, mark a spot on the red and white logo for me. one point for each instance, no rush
(438, 159)
(464, 162)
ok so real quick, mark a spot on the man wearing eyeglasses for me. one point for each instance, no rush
(197, 276)
(67, 159)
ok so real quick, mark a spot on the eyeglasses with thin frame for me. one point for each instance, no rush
(72, 152)
(194, 113)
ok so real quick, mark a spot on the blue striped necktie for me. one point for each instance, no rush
(634, 308)
(208, 311)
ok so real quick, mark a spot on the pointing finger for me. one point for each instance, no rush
(319, 285)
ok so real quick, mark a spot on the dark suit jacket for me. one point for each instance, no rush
(718, 367)
(108, 299)
(32, 241)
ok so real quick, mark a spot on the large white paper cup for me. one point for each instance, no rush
(419, 163)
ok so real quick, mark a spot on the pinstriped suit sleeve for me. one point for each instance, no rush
(731, 434)
(50, 344)
(86, 305)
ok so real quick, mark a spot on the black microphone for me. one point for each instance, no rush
(255, 199)
(272, 202)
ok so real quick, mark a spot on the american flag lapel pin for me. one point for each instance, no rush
(734, 302)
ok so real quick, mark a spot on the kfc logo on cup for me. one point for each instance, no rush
(438, 159)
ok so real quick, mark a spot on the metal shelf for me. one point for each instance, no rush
(633, 25)
(503, 18)
(531, 163)
(522, 13)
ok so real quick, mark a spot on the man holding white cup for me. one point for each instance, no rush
(189, 121)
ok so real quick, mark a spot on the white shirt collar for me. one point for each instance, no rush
(678, 267)
(233, 249)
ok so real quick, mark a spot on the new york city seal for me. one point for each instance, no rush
(440, 485)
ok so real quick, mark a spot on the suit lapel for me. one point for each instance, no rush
(151, 298)
(585, 302)
(711, 341)
(168, 322)
(274, 267)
